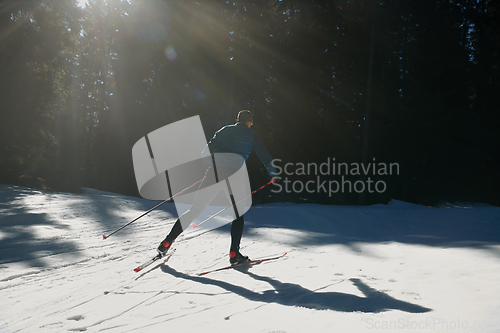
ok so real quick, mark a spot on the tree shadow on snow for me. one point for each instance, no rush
(462, 226)
(291, 294)
(35, 225)
(19, 225)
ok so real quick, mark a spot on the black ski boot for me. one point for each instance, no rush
(164, 247)
(236, 258)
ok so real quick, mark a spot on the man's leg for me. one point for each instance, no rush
(200, 203)
(236, 233)
(235, 257)
(198, 207)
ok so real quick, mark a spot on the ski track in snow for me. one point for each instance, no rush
(396, 267)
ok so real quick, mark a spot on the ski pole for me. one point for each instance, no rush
(224, 209)
(149, 211)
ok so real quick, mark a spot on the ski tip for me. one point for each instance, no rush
(137, 269)
(104, 237)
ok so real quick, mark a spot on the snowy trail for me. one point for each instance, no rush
(397, 267)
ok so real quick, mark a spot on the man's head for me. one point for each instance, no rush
(246, 117)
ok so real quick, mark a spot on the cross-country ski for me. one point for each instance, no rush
(157, 257)
(247, 263)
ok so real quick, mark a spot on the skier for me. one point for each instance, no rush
(239, 139)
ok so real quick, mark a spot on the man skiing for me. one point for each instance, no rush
(238, 139)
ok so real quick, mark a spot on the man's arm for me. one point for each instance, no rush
(263, 155)
(213, 143)
(209, 150)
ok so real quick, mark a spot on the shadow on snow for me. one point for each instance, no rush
(474, 227)
(29, 233)
(35, 225)
(290, 294)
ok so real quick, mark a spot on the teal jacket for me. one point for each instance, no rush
(240, 139)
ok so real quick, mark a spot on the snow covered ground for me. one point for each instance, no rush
(383, 268)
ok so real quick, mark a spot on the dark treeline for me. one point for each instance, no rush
(413, 82)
